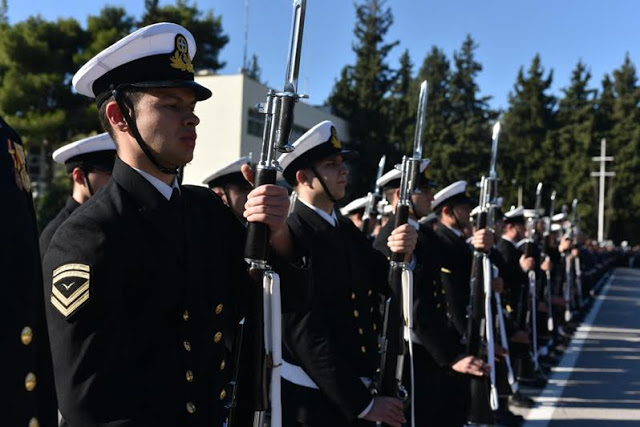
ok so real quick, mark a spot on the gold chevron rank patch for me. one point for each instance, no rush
(70, 289)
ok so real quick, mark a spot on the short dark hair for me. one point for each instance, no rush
(133, 95)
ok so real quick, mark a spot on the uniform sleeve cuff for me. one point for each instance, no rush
(366, 410)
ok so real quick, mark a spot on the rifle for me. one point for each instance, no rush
(529, 252)
(484, 397)
(399, 317)
(504, 341)
(569, 282)
(264, 316)
(545, 254)
(371, 208)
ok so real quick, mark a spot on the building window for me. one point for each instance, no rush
(255, 125)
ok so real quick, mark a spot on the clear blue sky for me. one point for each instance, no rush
(509, 33)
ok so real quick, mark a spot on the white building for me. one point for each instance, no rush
(231, 127)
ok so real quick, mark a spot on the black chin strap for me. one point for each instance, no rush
(125, 104)
(460, 227)
(324, 186)
(85, 172)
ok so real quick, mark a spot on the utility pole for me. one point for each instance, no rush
(602, 175)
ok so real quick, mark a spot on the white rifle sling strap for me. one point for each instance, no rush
(273, 340)
(534, 319)
(488, 279)
(578, 280)
(407, 314)
(503, 336)
(567, 288)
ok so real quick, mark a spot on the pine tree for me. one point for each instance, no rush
(361, 94)
(575, 143)
(438, 136)
(624, 145)
(470, 117)
(254, 71)
(524, 155)
(401, 112)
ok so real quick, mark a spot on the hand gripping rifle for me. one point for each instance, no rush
(265, 317)
(529, 252)
(399, 315)
(545, 254)
(480, 330)
(371, 208)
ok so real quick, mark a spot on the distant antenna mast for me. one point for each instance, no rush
(245, 65)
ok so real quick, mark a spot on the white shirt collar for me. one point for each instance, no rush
(415, 224)
(331, 219)
(455, 231)
(162, 187)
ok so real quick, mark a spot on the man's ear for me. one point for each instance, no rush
(303, 178)
(115, 117)
(77, 175)
(220, 192)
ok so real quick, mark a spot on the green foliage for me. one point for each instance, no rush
(361, 94)
(54, 199)
(38, 59)
(525, 150)
(254, 71)
(470, 118)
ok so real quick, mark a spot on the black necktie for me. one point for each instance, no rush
(175, 197)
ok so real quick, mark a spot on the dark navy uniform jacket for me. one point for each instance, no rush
(429, 301)
(50, 229)
(26, 382)
(457, 257)
(335, 337)
(143, 297)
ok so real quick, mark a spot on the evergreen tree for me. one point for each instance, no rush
(438, 136)
(525, 156)
(206, 29)
(361, 94)
(624, 145)
(470, 118)
(254, 71)
(401, 113)
(574, 143)
(4, 8)
(37, 63)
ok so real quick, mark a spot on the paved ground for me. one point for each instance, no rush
(597, 382)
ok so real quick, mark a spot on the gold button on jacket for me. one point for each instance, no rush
(217, 337)
(26, 335)
(30, 381)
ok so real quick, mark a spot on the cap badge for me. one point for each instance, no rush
(180, 58)
(334, 139)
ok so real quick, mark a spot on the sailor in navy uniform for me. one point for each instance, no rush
(89, 163)
(354, 210)
(452, 206)
(230, 185)
(27, 377)
(330, 346)
(146, 282)
(439, 356)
